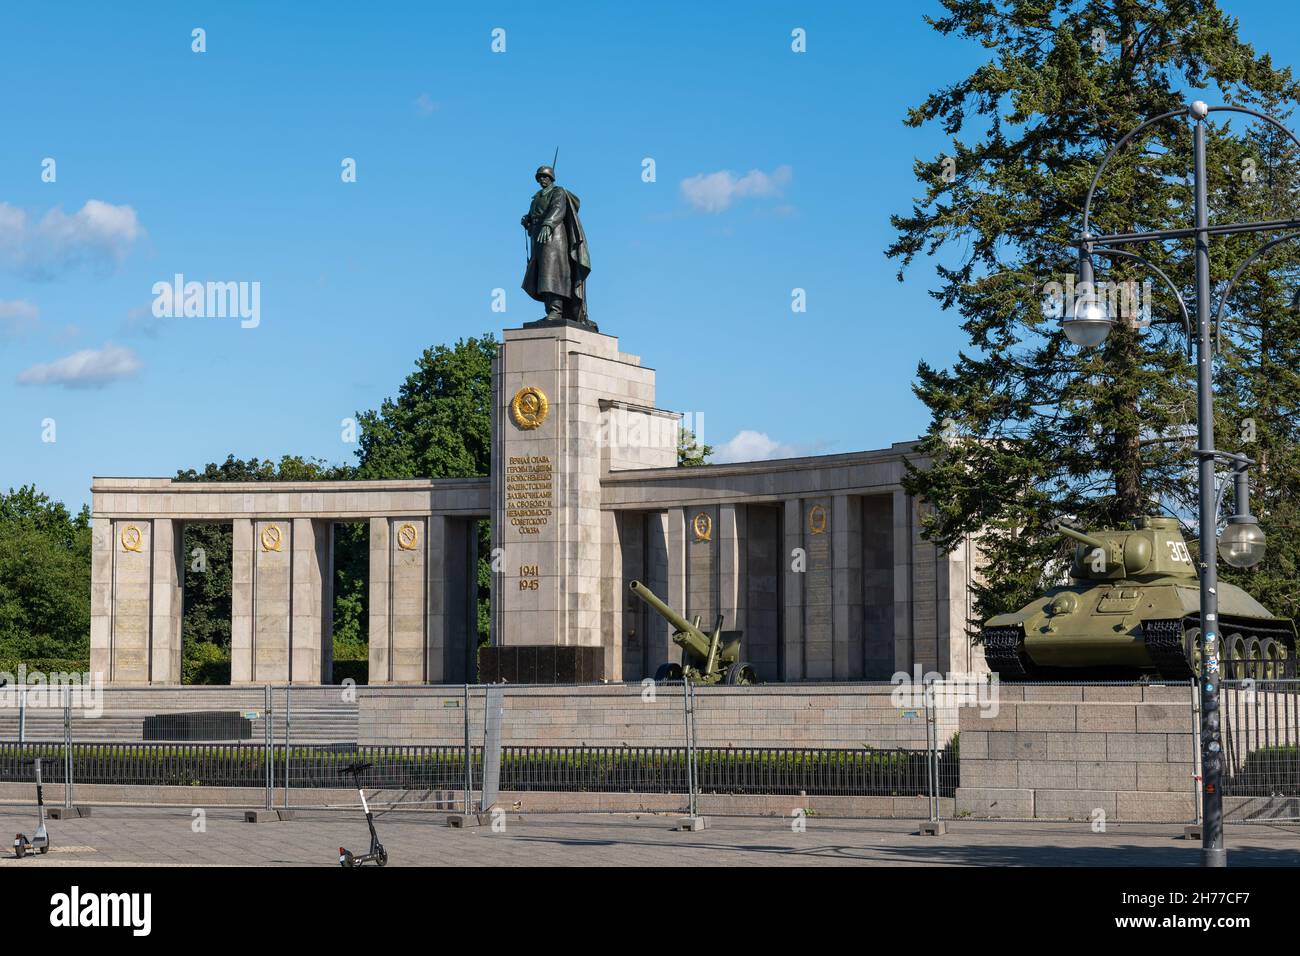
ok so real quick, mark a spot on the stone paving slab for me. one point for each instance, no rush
(164, 837)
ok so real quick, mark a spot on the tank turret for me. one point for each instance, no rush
(1153, 549)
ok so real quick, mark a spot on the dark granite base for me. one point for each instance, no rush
(198, 725)
(585, 324)
(536, 664)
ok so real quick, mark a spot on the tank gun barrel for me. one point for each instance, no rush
(1079, 536)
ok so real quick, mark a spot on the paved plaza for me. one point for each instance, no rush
(135, 836)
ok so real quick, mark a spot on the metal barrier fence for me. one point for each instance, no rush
(1261, 743)
(857, 750)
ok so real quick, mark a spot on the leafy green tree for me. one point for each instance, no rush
(44, 578)
(690, 451)
(207, 548)
(1025, 427)
(439, 426)
(440, 423)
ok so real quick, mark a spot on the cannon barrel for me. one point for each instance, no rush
(678, 622)
(691, 639)
(1087, 539)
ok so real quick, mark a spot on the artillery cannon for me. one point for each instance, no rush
(1132, 609)
(706, 658)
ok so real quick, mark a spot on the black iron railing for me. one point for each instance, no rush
(745, 770)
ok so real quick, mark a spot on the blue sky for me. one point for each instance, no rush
(225, 166)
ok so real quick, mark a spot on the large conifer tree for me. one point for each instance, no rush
(1027, 428)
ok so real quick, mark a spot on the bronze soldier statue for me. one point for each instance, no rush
(558, 263)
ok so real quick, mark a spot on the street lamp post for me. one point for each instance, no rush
(1089, 325)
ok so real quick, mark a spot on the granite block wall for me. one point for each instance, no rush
(1065, 752)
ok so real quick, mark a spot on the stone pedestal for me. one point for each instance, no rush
(568, 406)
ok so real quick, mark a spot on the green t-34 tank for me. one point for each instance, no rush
(1133, 608)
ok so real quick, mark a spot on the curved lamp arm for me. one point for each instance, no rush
(1087, 204)
(1178, 296)
(1184, 111)
(1232, 283)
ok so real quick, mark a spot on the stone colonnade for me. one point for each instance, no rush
(422, 589)
(818, 561)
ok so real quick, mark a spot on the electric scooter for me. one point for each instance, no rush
(377, 853)
(40, 842)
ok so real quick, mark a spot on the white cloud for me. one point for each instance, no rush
(751, 446)
(99, 235)
(18, 317)
(715, 192)
(425, 106)
(89, 368)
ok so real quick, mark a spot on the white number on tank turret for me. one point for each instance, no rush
(1178, 551)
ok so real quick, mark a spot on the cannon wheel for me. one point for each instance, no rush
(741, 673)
(668, 672)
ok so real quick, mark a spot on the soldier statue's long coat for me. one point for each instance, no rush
(560, 267)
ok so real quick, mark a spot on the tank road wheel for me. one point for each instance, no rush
(668, 672)
(1269, 651)
(1192, 645)
(741, 673)
(1256, 667)
(1236, 657)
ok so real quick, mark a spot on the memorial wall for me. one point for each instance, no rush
(817, 561)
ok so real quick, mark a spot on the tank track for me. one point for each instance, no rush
(1166, 642)
(1004, 651)
(1163, 639)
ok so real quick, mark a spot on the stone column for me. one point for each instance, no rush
(701, 566)
(818, 590)
(676, 580)
(399, 643)
(241, 601)
(408, 582)
(379, 603)
(311, 601)
(436, 665)
(132, 579)
(846, 549)
(956, 575)
(122, 610)
(903, 653)
(272, 600)
(792, 574)
(101, 598)
(926, 563)
(612, 587)
(730, 557)
(168, 579)
(658, 647)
